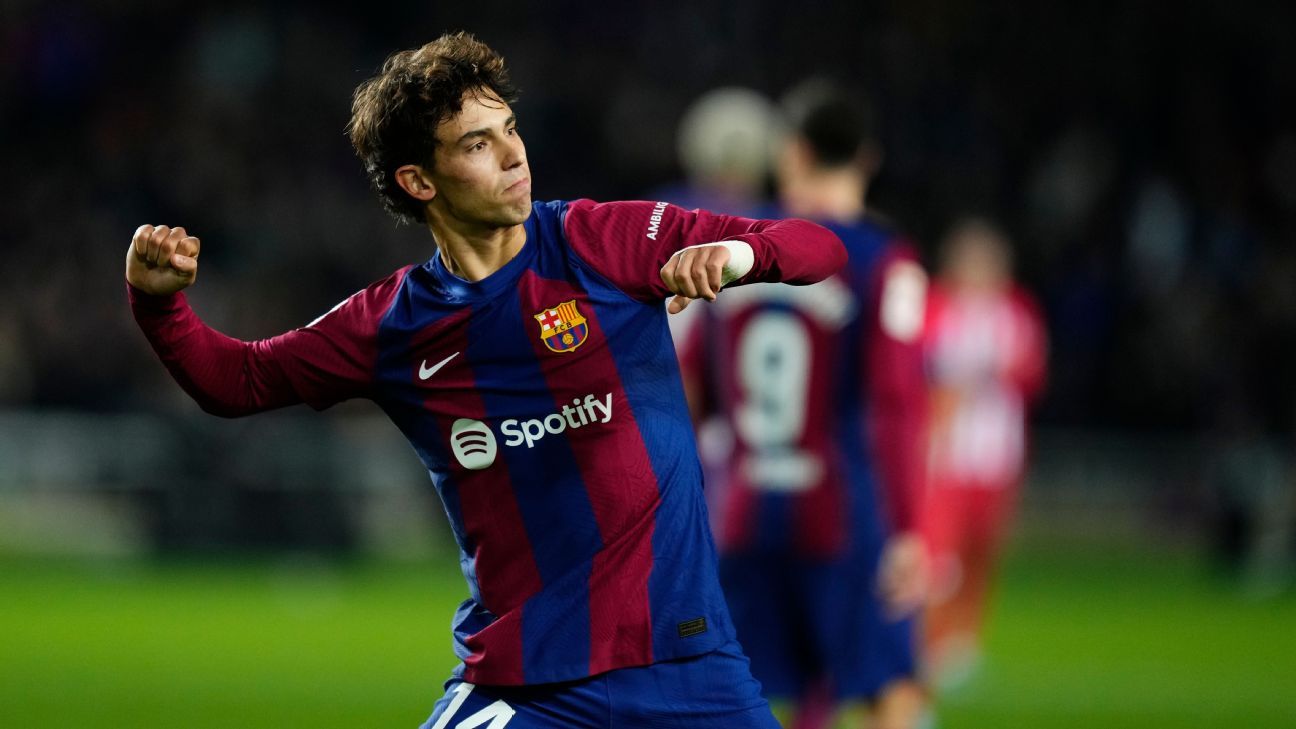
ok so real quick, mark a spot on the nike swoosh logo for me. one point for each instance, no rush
(426, 372)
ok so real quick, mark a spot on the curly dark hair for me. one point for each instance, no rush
(394, 115)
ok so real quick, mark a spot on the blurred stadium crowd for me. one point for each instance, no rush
(1143, 159)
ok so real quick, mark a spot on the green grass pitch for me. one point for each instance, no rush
(1111, 640)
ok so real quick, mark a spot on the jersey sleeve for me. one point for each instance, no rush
(1026, 367)
(896, 385)
(629, 242)
(329, 360)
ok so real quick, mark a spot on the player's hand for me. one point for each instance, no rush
(162, 260)
(694, 273)
(902, 574)
(698, 272)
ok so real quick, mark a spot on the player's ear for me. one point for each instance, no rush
(415, 182)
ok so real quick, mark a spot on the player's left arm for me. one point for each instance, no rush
(898, 407)
(655, 250)
(1027, 366)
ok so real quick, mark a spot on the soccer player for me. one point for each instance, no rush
(823, 390)
(725, 148)
(529, 364)
(985, 345)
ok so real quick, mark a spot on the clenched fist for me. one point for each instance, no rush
(698, 272)
(162, 260)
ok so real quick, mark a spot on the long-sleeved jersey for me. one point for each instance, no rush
(822, 389)
(545, 401)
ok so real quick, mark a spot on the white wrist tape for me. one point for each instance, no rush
(741, 259)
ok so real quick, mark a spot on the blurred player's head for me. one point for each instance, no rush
(825, 166)
(726, 140)
(437, 136)
(976, 257)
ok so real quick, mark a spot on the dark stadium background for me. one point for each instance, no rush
(158, 565)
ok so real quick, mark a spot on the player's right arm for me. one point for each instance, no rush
(162, 260)
(330, 360)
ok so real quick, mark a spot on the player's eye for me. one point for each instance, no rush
(477, 147)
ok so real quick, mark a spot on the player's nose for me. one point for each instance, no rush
(514, 155)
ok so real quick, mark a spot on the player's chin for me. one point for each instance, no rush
(516, 211)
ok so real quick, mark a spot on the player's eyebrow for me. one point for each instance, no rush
(486, 130)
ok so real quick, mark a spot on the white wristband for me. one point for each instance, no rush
(741, 259)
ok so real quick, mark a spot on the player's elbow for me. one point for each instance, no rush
(838, 255)
(828, 254)
(224, 410)
(222, 407)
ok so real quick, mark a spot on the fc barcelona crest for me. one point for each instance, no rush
(563, 328)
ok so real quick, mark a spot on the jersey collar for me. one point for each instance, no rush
(506, 277)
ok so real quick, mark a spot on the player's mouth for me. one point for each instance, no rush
(521, 186)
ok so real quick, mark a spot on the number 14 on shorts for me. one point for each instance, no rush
(493, 716)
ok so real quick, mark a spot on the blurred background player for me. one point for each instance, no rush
(985, 347)
(822, 390)
(725, 143)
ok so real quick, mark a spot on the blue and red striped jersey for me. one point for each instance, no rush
(545, 401)
(821, 389)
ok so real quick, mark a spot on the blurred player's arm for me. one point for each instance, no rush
(898, 400)
(1027, 365)
(321, 364)
(654, 250)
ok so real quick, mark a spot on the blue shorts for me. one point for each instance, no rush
(803, 620)
(714, 690)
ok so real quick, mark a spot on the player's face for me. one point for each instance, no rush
(977, 261)
(480, 167)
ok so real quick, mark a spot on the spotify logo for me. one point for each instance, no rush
(473, 444)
